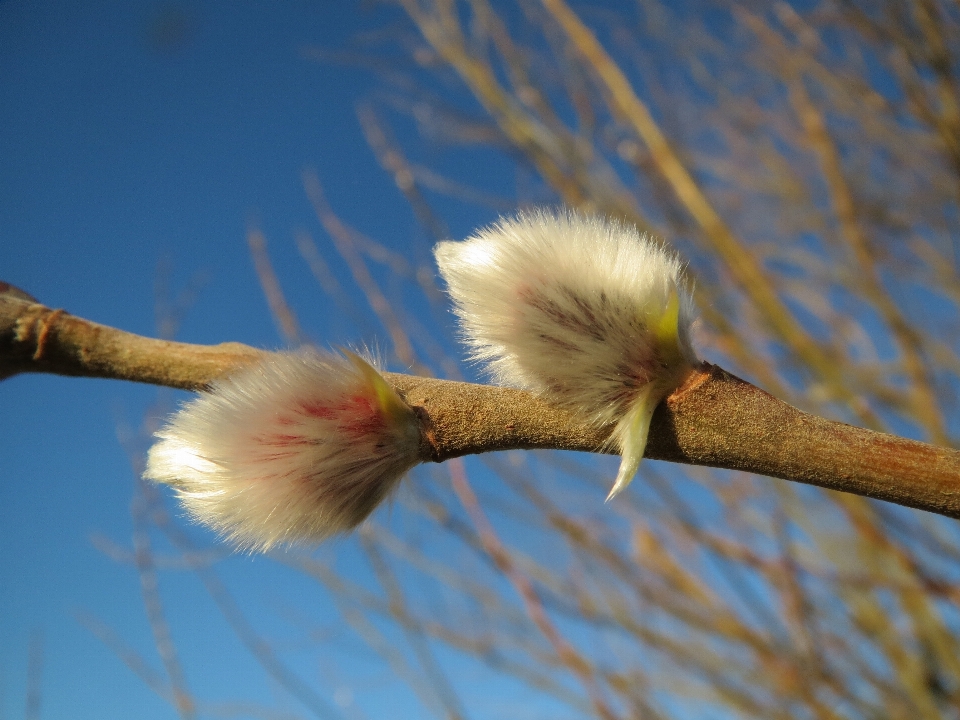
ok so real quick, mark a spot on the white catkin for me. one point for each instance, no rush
(585, 311)
(296, 448)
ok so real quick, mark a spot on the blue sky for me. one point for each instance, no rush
(138, 136)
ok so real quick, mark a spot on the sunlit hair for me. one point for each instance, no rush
(296, 448)
(585, 311)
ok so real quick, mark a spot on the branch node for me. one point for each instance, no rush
(429, 450)
(46, 327)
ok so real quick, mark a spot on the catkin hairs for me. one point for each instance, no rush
(585, 311)
(296, 448)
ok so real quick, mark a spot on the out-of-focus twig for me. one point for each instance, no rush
(394, 162)
(341, 236)
(34, 677)
(925, 404)
(566, 653)
(181, 696)
(435, 681)
(279, 308)
(130, 657)
(256, 644)
(750, 276)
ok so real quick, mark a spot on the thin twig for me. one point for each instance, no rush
(279, 307)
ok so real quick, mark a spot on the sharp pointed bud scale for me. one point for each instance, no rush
(587, 312)
(294, 449)
(630, 437)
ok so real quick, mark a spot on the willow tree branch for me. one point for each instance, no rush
(715, 419)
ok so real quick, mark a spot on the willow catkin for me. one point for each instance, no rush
(585, 311)
(294, 449)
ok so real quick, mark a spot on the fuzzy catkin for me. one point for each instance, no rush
(296, 448)
(585, 311)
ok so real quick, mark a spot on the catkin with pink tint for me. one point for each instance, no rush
(296, 448)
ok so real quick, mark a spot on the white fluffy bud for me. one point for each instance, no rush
(587, 312)
(293, 449)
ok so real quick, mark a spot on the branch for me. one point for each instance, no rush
(716, 419)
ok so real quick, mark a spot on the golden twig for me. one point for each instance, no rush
(748, 273)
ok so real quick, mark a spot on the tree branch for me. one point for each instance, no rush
(716, 419)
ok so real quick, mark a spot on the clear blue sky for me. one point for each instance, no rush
(135, 135)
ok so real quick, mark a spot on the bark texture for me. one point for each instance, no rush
(714, 419)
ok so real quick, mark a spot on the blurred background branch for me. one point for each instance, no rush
(805, 158)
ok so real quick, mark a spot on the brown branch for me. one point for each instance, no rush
(35, 338)
(716, 419)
